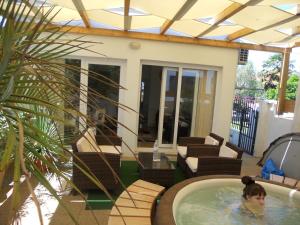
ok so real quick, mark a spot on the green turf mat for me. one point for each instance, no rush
(129, 174)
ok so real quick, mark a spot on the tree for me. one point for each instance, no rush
(291, 88)
(270, 75)
(247, 83)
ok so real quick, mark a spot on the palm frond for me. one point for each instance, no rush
(35, 96)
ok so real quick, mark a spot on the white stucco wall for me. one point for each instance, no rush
(296, 124)
(270, 126)
(221, 59)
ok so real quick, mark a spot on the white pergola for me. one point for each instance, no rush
(267, 25)
(260, 22)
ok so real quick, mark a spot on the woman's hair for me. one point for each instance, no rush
(252, 188)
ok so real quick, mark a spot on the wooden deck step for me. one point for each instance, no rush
(117, 220)
(148, 185)
(135, 209)
(133, 203)
(137, 196)
(142, 191)
(129, 211)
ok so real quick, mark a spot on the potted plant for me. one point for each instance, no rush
(34, 97)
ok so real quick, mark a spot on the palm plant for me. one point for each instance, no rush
(35, 97)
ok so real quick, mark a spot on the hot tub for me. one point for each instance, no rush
(214, 200)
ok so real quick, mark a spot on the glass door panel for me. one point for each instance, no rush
(149, 105)
(103, 96)
(168, 105)
(188, 102)
(71, 127)
(206, 102)
(175, 102)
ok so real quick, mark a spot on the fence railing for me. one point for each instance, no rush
(244, 121)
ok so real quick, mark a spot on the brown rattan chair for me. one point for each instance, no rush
(208, 162)
(95, 165)
(190, 144)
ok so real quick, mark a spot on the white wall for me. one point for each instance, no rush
(296, 124)
(270, 126)
(221, 59)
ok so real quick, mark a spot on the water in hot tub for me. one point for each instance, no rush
(221, 205)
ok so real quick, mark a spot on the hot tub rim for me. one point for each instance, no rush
(164, 212)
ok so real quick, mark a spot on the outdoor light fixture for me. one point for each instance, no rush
(135, 45)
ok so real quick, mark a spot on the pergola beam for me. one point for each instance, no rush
(82, 12)
(295, 31)
(297, 44)
(227, 13)
(127, 18)
(169, 38)
(264, 28)
(283, 81)
(181, 12)
(34, 8)
(240, 33)
(222, 16)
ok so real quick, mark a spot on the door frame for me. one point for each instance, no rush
(85, 61)
(162, 105)
(179, 67)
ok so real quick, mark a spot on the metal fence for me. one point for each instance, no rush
(244, 122)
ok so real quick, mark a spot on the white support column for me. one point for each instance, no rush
(83, 94)
(131, 99)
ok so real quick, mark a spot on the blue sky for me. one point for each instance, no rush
(258, 57)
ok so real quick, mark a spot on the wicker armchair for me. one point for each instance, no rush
(211, 161)
(187, 147)
(94, 163)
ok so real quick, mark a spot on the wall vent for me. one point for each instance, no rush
(243, 56)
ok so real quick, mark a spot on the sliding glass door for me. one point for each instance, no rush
(168, 106)
(188, 102)
(175, 102)
(103, 96)
(150, 91)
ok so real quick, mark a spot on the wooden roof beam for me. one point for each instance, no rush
(127, 18)
(168, 38)
(182, 11)
(34, 8)
(240, 33)
(227, 13)
(295, 31)
(82, 12)
(297, 44)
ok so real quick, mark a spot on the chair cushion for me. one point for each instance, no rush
(227, 152)
(210, 141)
(110, 149)
(182, 150)
(192, 163)
(87, 143)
